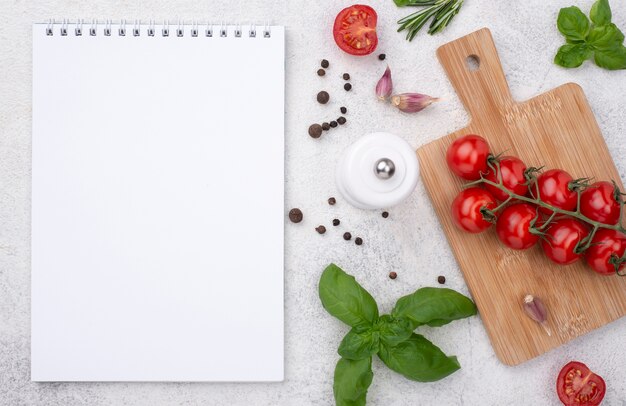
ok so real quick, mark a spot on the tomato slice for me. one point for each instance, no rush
(577, 385)
(355, 30)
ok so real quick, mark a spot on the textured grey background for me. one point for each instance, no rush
(410, 242)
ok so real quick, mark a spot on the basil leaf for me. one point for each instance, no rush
(605, 37)
(601, 12)
(393, 330)
(352, 379)
(345, 299)
(418, 359)
(434, 307)
(573, 23)
(358, 345)
(613, 58)
(572, 55)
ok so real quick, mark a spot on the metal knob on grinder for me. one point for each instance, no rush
(378, 171)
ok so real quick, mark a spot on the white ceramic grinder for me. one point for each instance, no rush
(378, 171)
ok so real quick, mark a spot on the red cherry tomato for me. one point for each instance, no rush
(553, 187)
(513, 226)
(598, 203)
(561, 240)
(466, 209)
(578, 386)
(355, 30)
(605, 245)
(512, 170)
(467, 157)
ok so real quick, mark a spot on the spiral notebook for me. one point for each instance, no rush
(157, 202)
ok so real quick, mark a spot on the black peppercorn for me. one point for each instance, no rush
(341, 120)
(336, 222)
(347, 236)
(325, 126)
(295, 215)
(393, 275)
(385, 214)
(348, 87)
(325, 63)
(441, 279)
(358, 241)
(321, 72)
(320, 229)
(323, 97)
(346, 76)
(382, 57)
(343, 110)
(315, 130)
(332, 201)
(333, 124)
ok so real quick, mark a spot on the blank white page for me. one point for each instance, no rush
(157, 207)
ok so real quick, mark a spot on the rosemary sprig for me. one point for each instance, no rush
(441, 12)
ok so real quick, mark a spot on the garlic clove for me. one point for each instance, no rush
(384, 87)
(412, 102)
(536, 310)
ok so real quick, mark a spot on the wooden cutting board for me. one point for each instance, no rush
(556, 129)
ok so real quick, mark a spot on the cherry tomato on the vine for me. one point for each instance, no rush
(355, 30)
(467, 209)
(606, 244)
(576, 385)
(553, 188)
(467, 157)
(561, 240)
(513, 226)
(513, 178)
(598, 203)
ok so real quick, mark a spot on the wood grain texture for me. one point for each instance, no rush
(556, 129)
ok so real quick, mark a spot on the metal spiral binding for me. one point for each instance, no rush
(192, 29)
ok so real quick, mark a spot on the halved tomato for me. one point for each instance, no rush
(577, 385)
(355, 30)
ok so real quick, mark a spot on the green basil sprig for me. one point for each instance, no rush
(390, 336)
(599, 38)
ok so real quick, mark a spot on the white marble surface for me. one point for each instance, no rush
(410, 242)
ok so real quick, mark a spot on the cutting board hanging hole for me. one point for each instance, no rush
(473, 63)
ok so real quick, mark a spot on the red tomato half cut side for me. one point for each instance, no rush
(355, 30)
(577, 385)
